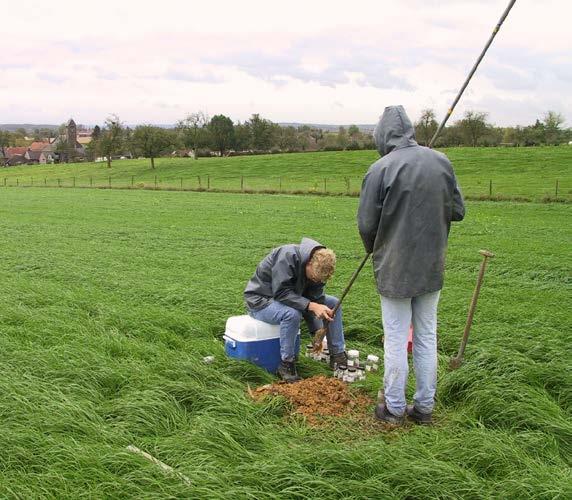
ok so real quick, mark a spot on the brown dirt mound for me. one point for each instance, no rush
(317, 397)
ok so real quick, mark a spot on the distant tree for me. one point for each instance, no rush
(304, 137)
(242, 137)
(111, 141)
(21, 132)
(4, 138)
(191, 130)
(353, 132)
(261, 131)
(342, 138)
(451, 135)
(317, 134)
(288, 139)
(553, 122)
(127, 146)
(221, 133)
(65, 150)
(150, 141)
(96, 133)
(426, 126)
(473, 126)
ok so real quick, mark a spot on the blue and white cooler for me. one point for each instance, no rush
(255, 341)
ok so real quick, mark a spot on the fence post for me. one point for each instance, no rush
(45, 181)
(208, 182)
(132, 180)
(4, 181)
(556, 188)
(59, 183)
(242, 183)
(90, 181)
(31, 181)
(109, 181)
(199, 178)
(17, 181)
(491, 187)
(74, 182)
(325, 186)
(181, 183)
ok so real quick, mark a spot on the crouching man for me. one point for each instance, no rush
(288, 285)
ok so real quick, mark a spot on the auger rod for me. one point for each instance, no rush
(476, 65)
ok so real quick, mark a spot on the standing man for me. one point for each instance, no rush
(289, 284)
(408, 199)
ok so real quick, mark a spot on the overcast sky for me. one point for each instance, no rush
(296, 61)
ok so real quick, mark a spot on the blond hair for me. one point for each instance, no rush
(323, 264)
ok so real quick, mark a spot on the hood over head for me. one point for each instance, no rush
(394, 130)
(307, 246)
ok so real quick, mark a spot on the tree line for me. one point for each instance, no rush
(200, 135)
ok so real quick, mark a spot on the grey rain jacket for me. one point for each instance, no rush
(281, 276)
(408, 199)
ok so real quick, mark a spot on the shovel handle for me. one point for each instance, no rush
(456, 361)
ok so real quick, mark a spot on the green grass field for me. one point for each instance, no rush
(110, 299)
(514, 172)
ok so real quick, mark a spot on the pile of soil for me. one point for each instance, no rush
(318, 397)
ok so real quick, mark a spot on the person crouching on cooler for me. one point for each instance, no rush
(288, 285)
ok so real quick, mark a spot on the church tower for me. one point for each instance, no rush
(71, 133)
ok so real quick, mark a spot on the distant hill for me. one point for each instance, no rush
(329, 128)
(29, 127)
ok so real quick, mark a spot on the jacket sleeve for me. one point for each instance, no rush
(370, 205)
(284, 281)
(458, 204)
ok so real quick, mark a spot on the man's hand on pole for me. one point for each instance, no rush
(321, 311)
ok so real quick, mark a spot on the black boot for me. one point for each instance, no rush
(382, 413)
(341, 358)
(287, 371)
(418, 417)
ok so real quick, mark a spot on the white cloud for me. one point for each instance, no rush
(295, 61)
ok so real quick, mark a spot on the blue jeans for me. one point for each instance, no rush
(277, 313)
(397, 315)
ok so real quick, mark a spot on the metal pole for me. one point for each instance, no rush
(476, 65)
(321, 333)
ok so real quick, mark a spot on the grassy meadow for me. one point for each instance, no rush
(530, 173)
(110, 299)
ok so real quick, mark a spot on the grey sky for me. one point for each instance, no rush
(297, 61)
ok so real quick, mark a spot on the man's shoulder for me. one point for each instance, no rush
(433, 153)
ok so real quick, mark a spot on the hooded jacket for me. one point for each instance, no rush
(408, 199)
(281, 276)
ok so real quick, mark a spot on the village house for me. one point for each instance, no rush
(65, 147)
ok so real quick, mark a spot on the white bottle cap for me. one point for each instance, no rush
(373, 358)
(353, 353)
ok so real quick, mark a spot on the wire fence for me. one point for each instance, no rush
(498, 189)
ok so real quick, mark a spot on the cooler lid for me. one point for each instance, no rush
(247, 329)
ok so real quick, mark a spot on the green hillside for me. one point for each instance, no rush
(509, 172)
